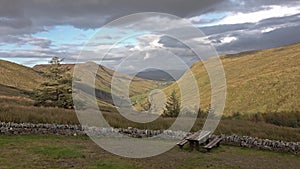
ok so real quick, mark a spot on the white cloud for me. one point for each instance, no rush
(275, 27)
(269, 29)
(254, 17)
(228, 39)
(207, 18)
(203, 40)
(147, 42)
(130, 67)
(147, 56)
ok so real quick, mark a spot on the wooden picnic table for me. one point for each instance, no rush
(199, 138)
(196, 139)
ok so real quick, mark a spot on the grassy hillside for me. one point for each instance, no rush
(16, 80)
(18, 76)
(10, 91)
(103, 82)
(17, 107)
(257, 81)
(104, 77)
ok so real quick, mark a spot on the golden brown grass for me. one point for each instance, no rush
(103, 80)
(257, 81)
(21, 110)
(19, 76)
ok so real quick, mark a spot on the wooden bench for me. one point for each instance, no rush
(182, 143)
(215, 142)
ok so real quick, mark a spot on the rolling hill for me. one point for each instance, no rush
(18, 76)
(104, 76)
(257, 81)
(17, 81)
(103, 80)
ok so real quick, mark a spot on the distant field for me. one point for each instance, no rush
(50, 151)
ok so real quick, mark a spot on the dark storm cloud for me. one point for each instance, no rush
(177, 47)
(171, 42)
(245, 5)
(34, 53)
(249, 36)
(280, 20)
(253, 37)
(19, 19)
(279, 37)
(33, 15)
(252, 3)
(34, 41)
(26, 39)
(218, 29)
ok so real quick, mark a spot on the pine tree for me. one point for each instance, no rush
(172, 106)
(57, 90)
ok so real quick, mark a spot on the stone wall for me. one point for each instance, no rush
(265, 144)
(29, 128)
(73, 130)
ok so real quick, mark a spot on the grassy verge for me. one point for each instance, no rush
(50, 151)
(57, 152)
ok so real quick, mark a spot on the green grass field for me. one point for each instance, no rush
(52, 151)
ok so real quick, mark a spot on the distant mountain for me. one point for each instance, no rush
(160, 75)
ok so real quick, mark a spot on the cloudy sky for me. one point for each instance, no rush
(32, 31)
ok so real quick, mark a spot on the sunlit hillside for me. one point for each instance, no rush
(18, 76)
(257, 81)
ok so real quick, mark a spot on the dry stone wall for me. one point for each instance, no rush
(29, 128)
(74, 130)
(265, 144)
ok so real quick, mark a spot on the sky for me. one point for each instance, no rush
(32, 31)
